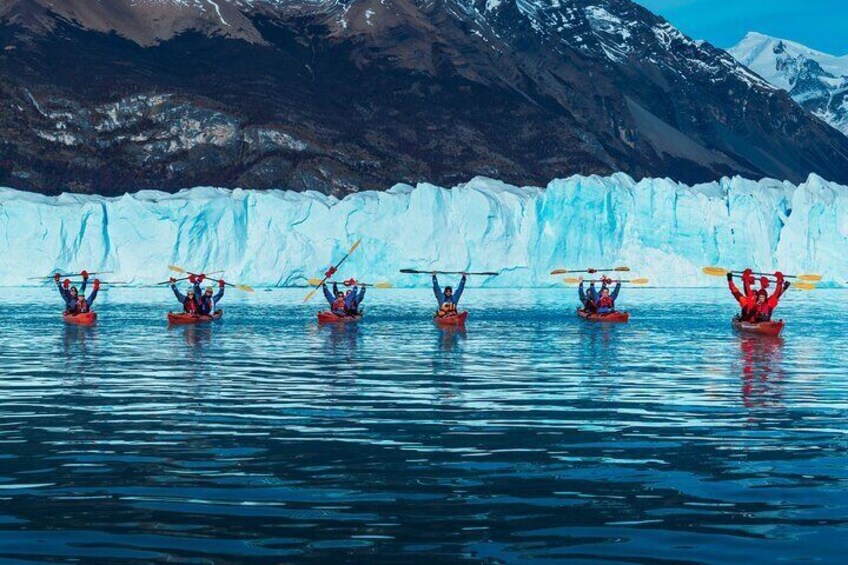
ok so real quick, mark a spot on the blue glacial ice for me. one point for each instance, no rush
(662, 229)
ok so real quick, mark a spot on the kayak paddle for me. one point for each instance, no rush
(417, 272)
(631, 281)
(719, 272)
(332, 271)
(186, 278)
(69, 276)
(319, 282)
(616, 269)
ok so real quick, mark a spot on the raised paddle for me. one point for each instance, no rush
(590, 270)
(69, 276)
(186, 278)
(632, 281)
(319, 282)
(719, 272)
(332, 271)
(417, 272)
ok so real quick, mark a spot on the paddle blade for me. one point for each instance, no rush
(639, 281)
(569, 280)
(244, 287)
(177, 269)
(622, 269)
(315, 282)
(383, 285)
(715, 271)
(354, 246)
(556, 272)
(310, 295)
(804, 286)
(810, 278)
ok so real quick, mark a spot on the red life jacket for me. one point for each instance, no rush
(338, 305)
(605, 302)
(82, 307)
(190, 306)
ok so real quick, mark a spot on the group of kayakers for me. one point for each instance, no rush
(598, 304)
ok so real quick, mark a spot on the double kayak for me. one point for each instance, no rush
(87, 319)
(181, 319)
(758, 328)
(452, 321)
(610, 318)
(331, 318)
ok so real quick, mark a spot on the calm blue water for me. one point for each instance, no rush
(531, 438)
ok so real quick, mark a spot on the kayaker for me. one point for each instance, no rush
(338, 302)
(448, 299)
(189, 299)
(207, 302)
(84, 304)
(589, 299)
(606, 300)
(747, 297)
(71, 294)
(354, 298)
(765, 304)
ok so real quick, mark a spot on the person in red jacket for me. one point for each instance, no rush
(747, 297)
(764, 305)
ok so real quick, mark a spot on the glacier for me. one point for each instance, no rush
(662, 229)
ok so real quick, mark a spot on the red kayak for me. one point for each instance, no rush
(453, 321)
(330, 318)
(759, 328)
(87, 319)
(611, 318)
(182, 319)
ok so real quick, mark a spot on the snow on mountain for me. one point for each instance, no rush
(664, 230)
(816, 80)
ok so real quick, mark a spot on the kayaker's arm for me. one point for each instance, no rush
(330, 298)
(335, 289)
(84, 284)
(458, 294)
(180, 296)
(217, 298)
(592, 293)
(62, 292)
(437, 290)
(361, 296)
(581, 293)
(614, 293)
(93, 296)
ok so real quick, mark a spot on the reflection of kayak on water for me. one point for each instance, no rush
(87, 319)
(331, 318)
(186, 319)
(610, 318)
(454, 320)
(758, 328)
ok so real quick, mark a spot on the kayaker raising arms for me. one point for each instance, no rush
(746, 298)
(448, 299)
(588, 298)
(207, 302)
(75, 300)
(189, 300)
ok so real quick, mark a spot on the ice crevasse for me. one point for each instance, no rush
(663, 230)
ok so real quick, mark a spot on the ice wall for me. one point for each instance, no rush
(663, 230)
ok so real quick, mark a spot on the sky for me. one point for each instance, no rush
(820, 24)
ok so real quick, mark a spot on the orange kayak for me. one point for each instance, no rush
(759, 328)
(87, 319)
(457, 320)
(186, 319)
(330, 318)
(611, 318)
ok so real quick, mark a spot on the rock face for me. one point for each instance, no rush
(817, 81)
(344, 95)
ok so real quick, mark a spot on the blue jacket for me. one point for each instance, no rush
(182, 297)
(204, 305)
(440, 296)
(356, 299)
(587, 295)
(70, 301)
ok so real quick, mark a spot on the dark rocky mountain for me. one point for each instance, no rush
(344, 95)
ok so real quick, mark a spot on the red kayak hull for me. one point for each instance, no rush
(759, 328)
(612, 318)
(88, 319)
(183, 319)
(330, 318)
(451, 321)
